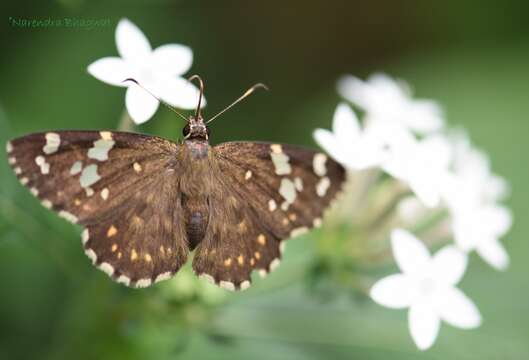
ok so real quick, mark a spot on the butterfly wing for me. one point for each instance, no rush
(271, 192)
(122, 187)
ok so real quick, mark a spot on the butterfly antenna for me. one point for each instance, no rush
(157, 98)
(201, 84)
(245, 95)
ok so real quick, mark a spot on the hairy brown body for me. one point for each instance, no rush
(196, 187)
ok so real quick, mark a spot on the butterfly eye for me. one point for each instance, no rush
(186, 130)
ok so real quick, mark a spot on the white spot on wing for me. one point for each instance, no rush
(12, 160)
(142, 283)
(104, 193)
(91, 255)
(318, 164)
(89, 176)
(272, 205)
(18, 171)
(317, 222)
(276, 148)
(287, 190)
(9, 147)
(89, 191)
(207, 277)
(47, 204)
(107, 268)
(280, 160)
(100, 149)
(298, 183)
(53, 140)
(323, 186)
(105, 135)
(68, 216)
(85, 236)
(76, 168)
(274, 264)
(227, 285)
(24, 180)
(299, 231)
(248, 175)
(34, 191)
(44, 166)
(263, 273)
(123, 280)
(163, 276)
(245, 285)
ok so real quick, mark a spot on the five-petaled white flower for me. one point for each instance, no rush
(389, 106)
(354, 147)
(427, 287)
(422, 164)
(471, 194)
(157, 70)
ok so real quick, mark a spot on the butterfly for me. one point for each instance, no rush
(146, 202)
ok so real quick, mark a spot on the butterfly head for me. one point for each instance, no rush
(196, 129)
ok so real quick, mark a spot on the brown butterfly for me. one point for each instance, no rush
(146, 202)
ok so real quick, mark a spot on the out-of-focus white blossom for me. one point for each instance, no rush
(389, 105)
(348, 143)
(422, 164)
(426, 285)
(471, 194)
(158, 70)
(480, 228)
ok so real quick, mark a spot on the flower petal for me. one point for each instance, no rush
(494, 254)
(393, 291)
(132, 44)
(454, 307)
(345, 123)
(424, 325)
(179, 92)
(425, 116)
(425, 189)
(111, 70)
(172, 59)
(410, 253)
(498, 219)
(140, 105)
(327, 141)
(449, 265)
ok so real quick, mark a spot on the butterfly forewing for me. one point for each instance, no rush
(121, 186)
(270, 192)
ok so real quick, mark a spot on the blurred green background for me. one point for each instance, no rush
(471, 56)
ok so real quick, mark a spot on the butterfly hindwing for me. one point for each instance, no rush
(271, 192)
(121, 187)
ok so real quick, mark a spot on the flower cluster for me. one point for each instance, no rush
(452, 190)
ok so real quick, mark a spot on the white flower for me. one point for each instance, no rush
(427, 287)
(349, 144)
(157, 70)
(389, 105)
(423, 165)
(480, 228)
(472, 182)
(471, 194)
